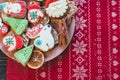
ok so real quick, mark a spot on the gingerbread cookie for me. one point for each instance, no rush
(24, 54)
(16, 9)
(34, 32)
(34, 13)
(3, 28)
(57, 9)
(17, 25)
(45, 41)
(12, 43)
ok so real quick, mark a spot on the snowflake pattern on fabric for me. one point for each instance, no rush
(79, 72)
(80, 47)
(80, 23)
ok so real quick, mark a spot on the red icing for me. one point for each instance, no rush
(33, 6)
(23, 10)
(48, 2)
(19, 42)
(7, 46)
(34, 31)
(4, 30)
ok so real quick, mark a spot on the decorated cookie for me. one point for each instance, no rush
(34, 13)
(34, 32)
(24, 55)
(45, 41)
(72, 9)
(3, 28)
(57, 9)
(12, 42)
(48, 2)
(17, 25)
(25, 40)
(16, 9)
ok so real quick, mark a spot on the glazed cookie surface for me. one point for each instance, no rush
(57, 9)
(45, 41)
(17, 25)
(24, 55)
(34, 13)
(16, 9)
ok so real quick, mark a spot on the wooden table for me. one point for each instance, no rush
(2, 66)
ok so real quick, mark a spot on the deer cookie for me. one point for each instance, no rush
(45, 41)
(34, 13)
(12, 43)
(16, 9)
(3, 28)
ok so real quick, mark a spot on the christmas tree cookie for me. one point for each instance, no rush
(17, 25)
(24, 55)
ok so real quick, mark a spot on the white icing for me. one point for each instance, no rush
(12, 8)
(11, 47)
(57, 9)
(1, 24)
(46, 38)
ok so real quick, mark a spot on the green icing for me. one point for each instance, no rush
(18, 25)
(9, 41)
(24, 54)
(33, 15)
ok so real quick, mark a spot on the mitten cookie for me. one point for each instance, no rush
(12, 43)
(34, 13)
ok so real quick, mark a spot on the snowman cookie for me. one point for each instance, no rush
(3, 28)
(34, 13)
(12, 43)
(16, 9)
(45, 41)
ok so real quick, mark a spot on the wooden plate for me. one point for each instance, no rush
(56, 51)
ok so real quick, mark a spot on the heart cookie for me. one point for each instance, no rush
(17, 25)
(16, 9)
(34, 13)
(45, 41)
